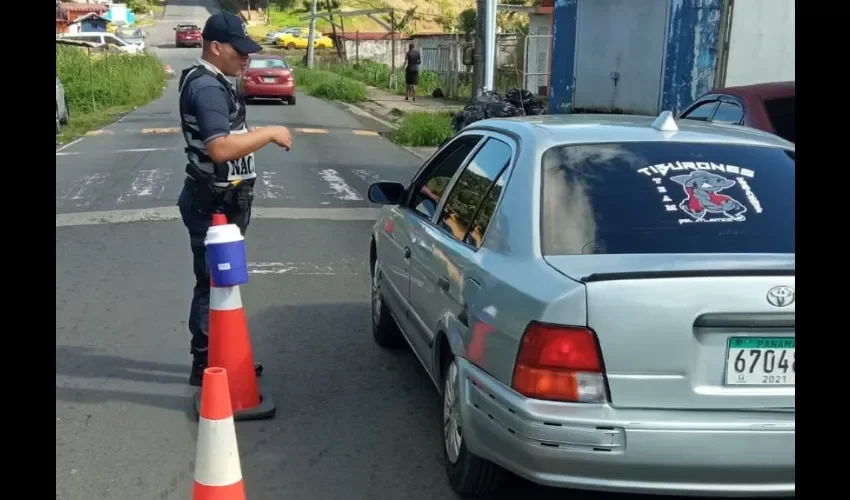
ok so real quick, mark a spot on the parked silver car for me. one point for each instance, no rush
(604, 302)
(63, 116)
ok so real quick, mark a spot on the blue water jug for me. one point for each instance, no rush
(226, 255)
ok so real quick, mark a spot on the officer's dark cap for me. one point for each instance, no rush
(224, 27)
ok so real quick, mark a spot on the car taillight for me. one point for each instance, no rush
(559, 363)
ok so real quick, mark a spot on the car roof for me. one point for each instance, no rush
(760, 90)
(563, 129)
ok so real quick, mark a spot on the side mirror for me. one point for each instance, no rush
(386, 193)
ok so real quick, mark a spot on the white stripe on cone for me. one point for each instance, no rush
(217, 455)
(225, 299)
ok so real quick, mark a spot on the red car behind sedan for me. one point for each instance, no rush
(764, 106)
(187, 35)
(267, 76)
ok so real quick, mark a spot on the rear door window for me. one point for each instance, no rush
(728, 112)
(663, 197)
(780, 112)
(471, 187)
(702, 112)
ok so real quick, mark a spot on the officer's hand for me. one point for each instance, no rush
(282, 137)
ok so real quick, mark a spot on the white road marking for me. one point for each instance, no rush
(271, 190)
(69, 144)
(368, 176)
(294, 268)
(85, 189)
(118, 151)
(339, 189)
(149, 183)
(173, 213)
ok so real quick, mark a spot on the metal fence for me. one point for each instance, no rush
(536, 55)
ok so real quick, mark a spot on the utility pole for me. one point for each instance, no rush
(310, 36)
(480, 49)
(490, 46)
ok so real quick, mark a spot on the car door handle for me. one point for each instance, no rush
(406, 252)
(443, 283)
(463, 316)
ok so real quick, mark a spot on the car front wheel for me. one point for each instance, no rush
(384, 329)
(468, 475)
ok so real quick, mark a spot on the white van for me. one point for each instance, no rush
(100, 37)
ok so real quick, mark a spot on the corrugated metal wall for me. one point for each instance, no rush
(619, 52)
(660, 52)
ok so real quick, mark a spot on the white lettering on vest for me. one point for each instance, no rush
(241, 168)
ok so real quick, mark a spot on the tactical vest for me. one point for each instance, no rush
(200, 166)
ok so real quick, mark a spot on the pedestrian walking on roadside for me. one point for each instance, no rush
(412, 60)
(220, 173)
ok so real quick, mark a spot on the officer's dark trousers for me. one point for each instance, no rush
(197, 220)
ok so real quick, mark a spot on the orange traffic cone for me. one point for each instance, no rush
(230, 348)
(218, 472)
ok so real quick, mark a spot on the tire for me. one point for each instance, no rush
(58, 124)
(67, 119)
(290, 100)
(290, 46)
(385, 331)
(468, 475)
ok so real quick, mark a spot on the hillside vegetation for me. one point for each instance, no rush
(428, 16)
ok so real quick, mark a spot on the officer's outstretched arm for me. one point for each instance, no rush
(235, 146)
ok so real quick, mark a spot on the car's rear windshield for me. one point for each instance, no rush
(267, 63)
(667, 197)
(780, 112)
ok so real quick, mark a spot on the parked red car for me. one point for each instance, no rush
(267, 76)
(187, 35)
(766, 106)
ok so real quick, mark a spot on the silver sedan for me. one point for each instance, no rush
(603, 302)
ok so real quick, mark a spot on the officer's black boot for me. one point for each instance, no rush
(196, 376)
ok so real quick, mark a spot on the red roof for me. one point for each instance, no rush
(83, 7)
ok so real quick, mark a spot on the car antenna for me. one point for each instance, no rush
(665, 122)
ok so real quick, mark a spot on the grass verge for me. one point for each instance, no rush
(100, 87)
(327, 85)
(420, 129)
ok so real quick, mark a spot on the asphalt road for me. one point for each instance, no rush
(353, 422)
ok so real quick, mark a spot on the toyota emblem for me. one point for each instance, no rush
(780, 296)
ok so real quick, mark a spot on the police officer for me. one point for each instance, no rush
(220, 173)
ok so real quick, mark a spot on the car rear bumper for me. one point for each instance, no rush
(598, 447)
(268, 90)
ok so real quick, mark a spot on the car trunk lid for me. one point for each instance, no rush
(673, 328)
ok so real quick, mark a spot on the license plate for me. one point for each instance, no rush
(761, 361)
(269, 79)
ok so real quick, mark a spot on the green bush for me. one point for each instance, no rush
(420, 129)
(104, 81)
(327, 85)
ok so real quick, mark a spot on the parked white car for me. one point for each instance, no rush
(100, 37)
(63, 116)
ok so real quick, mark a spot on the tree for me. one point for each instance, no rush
(467, 22)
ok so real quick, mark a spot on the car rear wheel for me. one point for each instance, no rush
(291, 100)
(468, 475)
(290, 46)
(384, 329)
(67, 118)
(58, 125)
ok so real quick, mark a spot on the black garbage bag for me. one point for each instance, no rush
(515, 102)
(501, 109)
(520, 98)
(535, 108)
